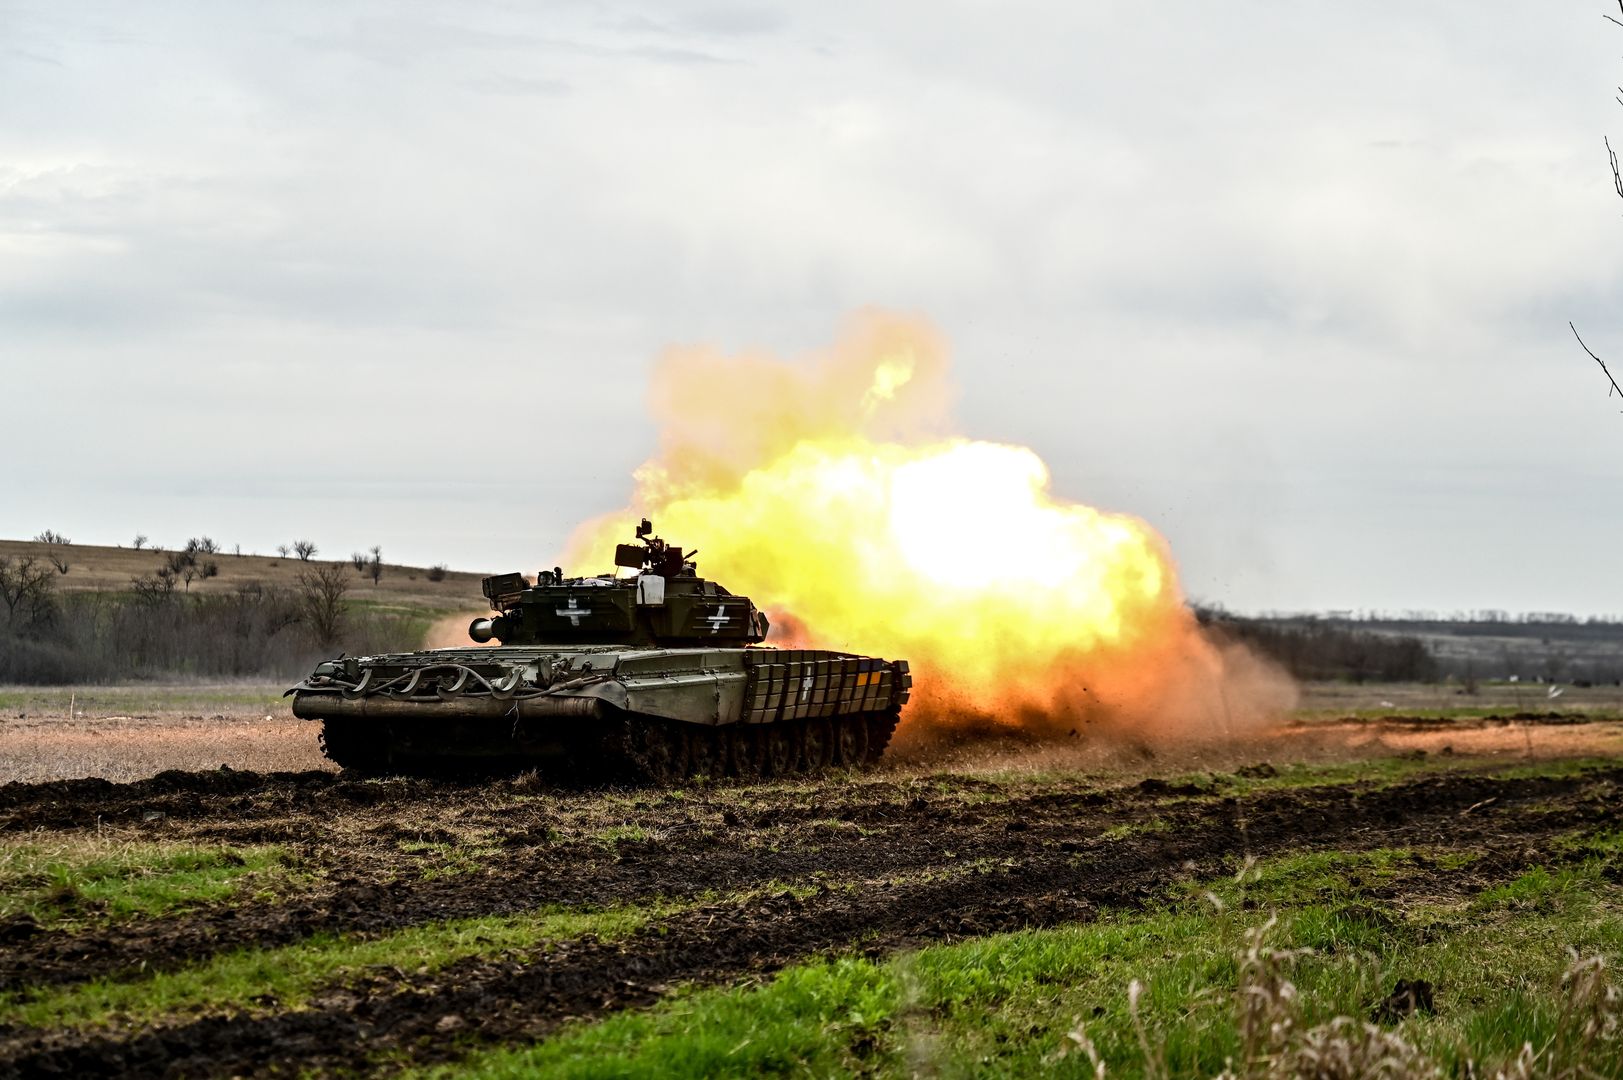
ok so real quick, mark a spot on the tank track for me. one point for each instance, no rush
(353, 746)
(638, 749)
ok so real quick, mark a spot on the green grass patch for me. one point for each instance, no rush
(1006, 1005)
(1382, 772)
(414, 621)
(288, 977)
(616, 834)
(1138, 828)
(447, 858)
(82, 881)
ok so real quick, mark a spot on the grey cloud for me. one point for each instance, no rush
(519, 85)
(740, 20)
(1292, 282)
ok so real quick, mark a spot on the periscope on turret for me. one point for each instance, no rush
(656, 674)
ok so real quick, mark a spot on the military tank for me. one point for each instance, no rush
(654, 675)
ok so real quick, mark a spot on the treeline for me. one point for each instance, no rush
(153, 630)
(1457, 619)
(1323, 651)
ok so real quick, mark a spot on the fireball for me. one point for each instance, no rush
(831, 491)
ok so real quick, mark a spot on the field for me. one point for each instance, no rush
(91, 567)
(977, 909)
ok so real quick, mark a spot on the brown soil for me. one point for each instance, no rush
(896, 861)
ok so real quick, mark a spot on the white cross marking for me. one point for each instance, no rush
(805, 688)
(719, 619)
(573, 612)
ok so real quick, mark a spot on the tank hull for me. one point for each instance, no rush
(654, 714)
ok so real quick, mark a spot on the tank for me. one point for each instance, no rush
(652, 675)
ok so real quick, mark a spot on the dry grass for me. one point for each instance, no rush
(111, 568)
(129, 733)
(1277, 1045)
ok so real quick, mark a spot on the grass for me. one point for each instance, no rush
(1383, 772)
(291, 976)
(142, 698)
(417, 619)
(449, 859)
(617, 834)
(83, 880)
(1540, 704)
(1018, 1004)
(1338, 700)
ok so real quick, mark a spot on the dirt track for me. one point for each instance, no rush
(893, 861)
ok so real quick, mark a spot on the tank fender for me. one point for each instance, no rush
(697, 697)
(610, 691)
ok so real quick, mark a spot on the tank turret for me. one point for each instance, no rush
(665, 603)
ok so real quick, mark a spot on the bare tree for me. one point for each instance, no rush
(358, 560)
(303, 549)
(281, 549)
(436, 572)
(188, 564)
(140, 541)
(28, 591)
(374, 568)
(204, 544)
(153, 588)
(321, 601)
(53, 540)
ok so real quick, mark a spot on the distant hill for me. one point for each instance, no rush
(111, 569)
(1535, 647)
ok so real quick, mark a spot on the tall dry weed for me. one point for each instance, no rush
(1275, 1045)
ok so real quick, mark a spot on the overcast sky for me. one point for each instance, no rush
(1289, 280)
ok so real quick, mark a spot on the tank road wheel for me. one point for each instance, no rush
(707, 753)
(817, 751)
(744, 747)
(353, 746)
(680, 737)
(881, 726)
(851, 740)
(782, 753)
(658, 752)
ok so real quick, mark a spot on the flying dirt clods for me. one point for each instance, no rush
(833, 491)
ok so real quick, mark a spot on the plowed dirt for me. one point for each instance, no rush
(771, 874)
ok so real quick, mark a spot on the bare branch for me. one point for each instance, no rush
(1598, 360)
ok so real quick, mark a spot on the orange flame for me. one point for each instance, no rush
(829, 492)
